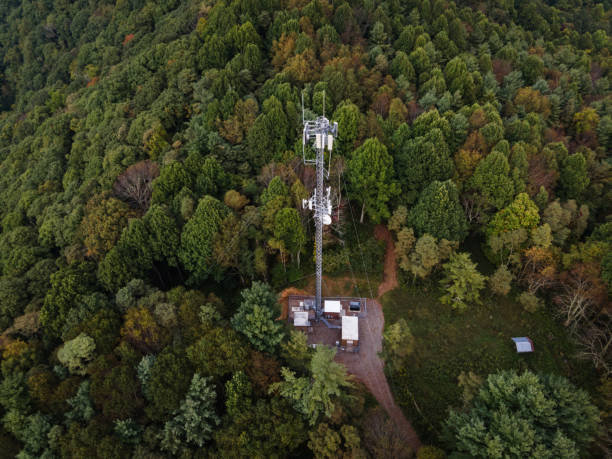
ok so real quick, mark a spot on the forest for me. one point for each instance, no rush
(151, 188)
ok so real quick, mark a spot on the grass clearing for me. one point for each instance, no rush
(478, 340)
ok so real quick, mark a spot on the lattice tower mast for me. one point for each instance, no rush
(322, 134)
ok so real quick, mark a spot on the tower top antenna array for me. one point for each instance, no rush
(321, 133)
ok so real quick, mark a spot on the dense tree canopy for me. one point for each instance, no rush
(522, 415)
(151, 209)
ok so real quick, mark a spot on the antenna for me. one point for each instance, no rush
(323, 133)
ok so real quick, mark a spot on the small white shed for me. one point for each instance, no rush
(300, 319)
(523, 344)
(332, 309)
(350, 330)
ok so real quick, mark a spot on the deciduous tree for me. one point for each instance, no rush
(135, 184)
(398, 343)
(77, 353)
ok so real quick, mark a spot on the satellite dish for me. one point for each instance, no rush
(326, 219)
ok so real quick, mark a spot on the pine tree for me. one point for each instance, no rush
(462, 282)
(194, 422)
(256, 317)
(525, 415)
(371, 176)
(439, 213)
(316, 395)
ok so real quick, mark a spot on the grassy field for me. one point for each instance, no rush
(478, 340)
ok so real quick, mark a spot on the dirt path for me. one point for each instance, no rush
(367, 366)
(390, 271)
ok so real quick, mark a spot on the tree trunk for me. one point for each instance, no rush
(362, 212)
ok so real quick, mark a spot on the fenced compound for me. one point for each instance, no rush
(328, 328)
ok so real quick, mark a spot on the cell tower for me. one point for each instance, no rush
(321, 133)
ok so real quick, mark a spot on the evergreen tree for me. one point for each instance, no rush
(195, 421)
(439, 213)
(196, 247)
(462, 282)
(574, 176)
(256, 317)
(492, 180)
(423, 158)
(316, 395)
(371, 177)
(523, 416)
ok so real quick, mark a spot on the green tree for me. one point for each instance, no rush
(128, 430)
(492, 180)
(459, 79)
(77, 353)
(295, 351)
(524, 415)
(424, 157)
(401, 66)
(500, 282)
(462, 282)
(13, 299)
(195, 421)
(398, 343)
(439, 213)
(35, 436)
(153, 238)
(269, 428)
(426, 256)
(162, 235)
(172, 178)
(273, 199)
(239, 393)
(522, 213)
(326, 442)
(316, 395)
(574, 177)
(289, 231)
(82, 409)
(371, 173)
(349, 119)
(256, 317)
(114, 388)
(105, 218)
(196, 247)
(169, 378)
(69, 285)
(219, 352)
(268, 136)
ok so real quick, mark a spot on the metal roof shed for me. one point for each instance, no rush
(523, 344)
(350, 328)
(332, 306)
(300, 319)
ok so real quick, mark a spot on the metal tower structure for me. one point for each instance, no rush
(322, 134)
